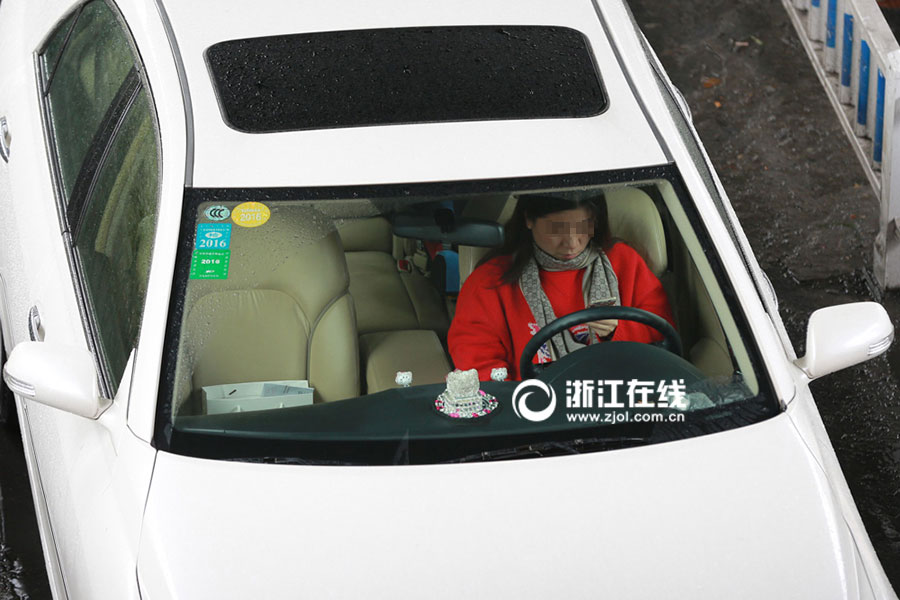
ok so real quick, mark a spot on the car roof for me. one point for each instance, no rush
(619, 137)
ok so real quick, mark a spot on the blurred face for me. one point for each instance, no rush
(565, 234)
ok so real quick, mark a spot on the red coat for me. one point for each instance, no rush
(493, 322)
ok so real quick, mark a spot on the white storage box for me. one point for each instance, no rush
(257, 395)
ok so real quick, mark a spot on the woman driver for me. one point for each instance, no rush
(557, 258)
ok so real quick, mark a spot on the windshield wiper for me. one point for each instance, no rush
(541, 449)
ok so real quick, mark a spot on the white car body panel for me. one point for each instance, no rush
(808, 422)
(33, 264)
(620, 137)
(89, 478)
(744, 506)
(784, 523)
(95, 496)
(35, 254)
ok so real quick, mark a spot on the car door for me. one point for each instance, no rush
(100, 165)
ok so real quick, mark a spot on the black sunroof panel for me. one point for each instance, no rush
(412, 75)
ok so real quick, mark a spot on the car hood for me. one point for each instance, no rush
(741, 514)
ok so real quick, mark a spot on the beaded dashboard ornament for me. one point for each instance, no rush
(463, 398)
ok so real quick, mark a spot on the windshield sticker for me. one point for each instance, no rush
(250, 214)
(210, 264)
(213, 236)
(217, 213)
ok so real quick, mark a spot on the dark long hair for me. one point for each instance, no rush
(518, 241)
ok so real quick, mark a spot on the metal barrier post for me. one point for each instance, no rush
(887, 244)
(846, 60)
(814, 21)
(857, 59)
(862, 97)
(831, 36)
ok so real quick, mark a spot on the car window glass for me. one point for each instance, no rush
(96, 62)
(55, 43)
(116, 235)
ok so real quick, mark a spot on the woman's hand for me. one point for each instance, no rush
(603, 329)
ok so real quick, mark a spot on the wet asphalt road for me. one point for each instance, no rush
(803, 201)
(22, 572)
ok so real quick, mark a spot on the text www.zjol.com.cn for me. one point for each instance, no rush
(624, 401)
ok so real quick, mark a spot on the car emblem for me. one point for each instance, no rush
(217, 213)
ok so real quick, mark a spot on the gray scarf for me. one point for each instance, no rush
(599, 285)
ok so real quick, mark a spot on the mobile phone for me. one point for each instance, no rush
(607, 302)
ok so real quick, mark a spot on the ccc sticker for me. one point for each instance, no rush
(217, 213)
(250, 214)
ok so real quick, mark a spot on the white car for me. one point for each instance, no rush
(230, 245)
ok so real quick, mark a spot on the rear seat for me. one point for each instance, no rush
(401, 318)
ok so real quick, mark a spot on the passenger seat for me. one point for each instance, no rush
(285, 318)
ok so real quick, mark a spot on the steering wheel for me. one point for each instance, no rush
(671, 339)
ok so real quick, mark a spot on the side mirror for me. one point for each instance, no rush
(842, 336)
(59, 376)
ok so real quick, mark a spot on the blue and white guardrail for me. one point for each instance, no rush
(857, 59)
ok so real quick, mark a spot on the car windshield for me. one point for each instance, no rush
(323, 326)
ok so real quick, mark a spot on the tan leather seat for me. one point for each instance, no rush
(634, 218)
(387, 352)
(395, 310)
(283, 313)
(367, 234)
(386, 298)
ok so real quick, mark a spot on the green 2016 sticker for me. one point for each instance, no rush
(210, 264)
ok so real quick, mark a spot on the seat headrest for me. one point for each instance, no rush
(633, 217)
(295, 248)
(369, 234)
